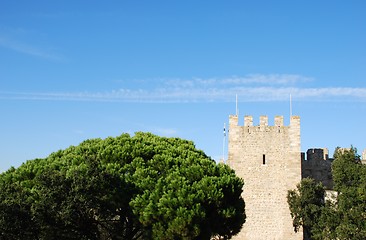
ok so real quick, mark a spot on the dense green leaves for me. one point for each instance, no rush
(349, 176)
(344, 215)
(306, 203)
(140, 187)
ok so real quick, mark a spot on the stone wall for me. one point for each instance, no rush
(268, 158)
(318, 166)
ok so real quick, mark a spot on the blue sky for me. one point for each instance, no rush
(74, 70)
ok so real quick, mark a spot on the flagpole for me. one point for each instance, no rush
(236, 105)
(223, 145)
(290, 105)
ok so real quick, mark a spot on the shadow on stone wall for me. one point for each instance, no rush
(317, 165)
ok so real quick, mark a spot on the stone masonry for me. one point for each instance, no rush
(268, 158)
(318, 166)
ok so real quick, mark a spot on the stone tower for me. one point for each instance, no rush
(268, 158)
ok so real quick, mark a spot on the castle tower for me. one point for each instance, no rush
(268, 158)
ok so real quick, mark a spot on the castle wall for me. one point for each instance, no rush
(318, 166)
(268, 158)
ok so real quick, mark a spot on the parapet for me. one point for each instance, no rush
(279, 121)
(317, 154)
(233, 120)
(263, 120)
(248, 121)
(295, 121)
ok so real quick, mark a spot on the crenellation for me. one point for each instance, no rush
(248, 121)
(279, 121)
(233, 120)
(294, 135)
(317, 154)
(263, 120)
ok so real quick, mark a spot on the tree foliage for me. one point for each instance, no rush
(140, 187)
(306, 203)
(349, 176)
(344, 216)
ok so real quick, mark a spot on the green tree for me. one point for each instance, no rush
(140, 187)
(15, 210)
(349, 176)
(306, 204)
(343, 216)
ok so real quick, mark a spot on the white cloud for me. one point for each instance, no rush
(250, 79)
(28, 49)
(269, 79)
(209, 90)
(169, 132)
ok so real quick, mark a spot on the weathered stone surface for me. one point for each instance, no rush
(268, 158)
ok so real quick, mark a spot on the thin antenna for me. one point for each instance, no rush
(223, 144)
(236, 105)
(290, 105)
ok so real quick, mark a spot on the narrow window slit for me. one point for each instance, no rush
(264, 159)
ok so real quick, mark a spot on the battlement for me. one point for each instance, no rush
(263, 120)
(317, 154)
(260, 133)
